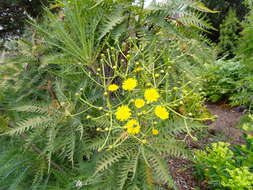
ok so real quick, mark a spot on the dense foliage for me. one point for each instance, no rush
(223, 6)
(228, 80)
(231, 78)
(100, 92)
(228, 166)
(245, 42)
(229, 31)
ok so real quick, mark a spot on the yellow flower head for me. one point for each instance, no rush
(113, 87)
(151, 95)
(155, 131)
(123, 113)
(139, 103)
(138, 69)
(133, 127)
(161, 112)
(129, 84)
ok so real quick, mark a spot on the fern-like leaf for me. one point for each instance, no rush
(115, 19)
(32, 108)
(160, 167)
(30, 123)
(111, 157)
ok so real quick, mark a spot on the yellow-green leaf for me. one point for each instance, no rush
(204, 8)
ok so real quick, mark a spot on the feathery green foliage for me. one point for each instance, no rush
(245, 44)
(67, 66)
(229, 34)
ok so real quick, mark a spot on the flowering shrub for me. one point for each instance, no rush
(113, 88)
(138, 105)
(140, 111)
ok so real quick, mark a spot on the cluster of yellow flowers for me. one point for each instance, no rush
(123, 112)
(128, 84)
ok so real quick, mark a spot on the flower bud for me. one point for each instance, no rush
(149, 84)
(110, 147)
(157, 75)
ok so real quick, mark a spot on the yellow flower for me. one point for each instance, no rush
(161, 112)
(123, 113)
(113, 87)
(139, 103)
(155, 131)
(138, 69)
(129, 84)
(133, 127)
(151, 95)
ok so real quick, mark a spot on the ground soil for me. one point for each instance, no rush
(225, 125)
(182, 173)
(226, 122)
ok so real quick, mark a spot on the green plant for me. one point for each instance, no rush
(243, 91)
(222, 7)
(245, 44)
(24, 169)
(227, 166)
(229, 34)
(219, 79)
(240, 178)
(229, 80)
(73, 121)
(105, 81)
(245, 152)
(212, 163)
